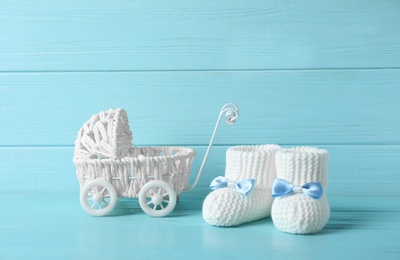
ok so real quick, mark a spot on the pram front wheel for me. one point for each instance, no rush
(98, 197)
(157, 198)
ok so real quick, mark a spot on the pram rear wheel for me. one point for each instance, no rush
(157, 198)
(98, 197)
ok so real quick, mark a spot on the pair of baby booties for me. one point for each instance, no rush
(267, 180)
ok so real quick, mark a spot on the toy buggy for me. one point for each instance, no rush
(108, 167)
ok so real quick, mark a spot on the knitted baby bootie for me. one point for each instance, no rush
(300, 205)
(235, 200)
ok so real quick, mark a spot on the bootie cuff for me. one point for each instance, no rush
(301, 165)
(252, 161)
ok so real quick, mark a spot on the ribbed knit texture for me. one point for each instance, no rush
(226, 206)
(252, 162)
(299, 213)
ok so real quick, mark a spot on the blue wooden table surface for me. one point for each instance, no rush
(317, 73)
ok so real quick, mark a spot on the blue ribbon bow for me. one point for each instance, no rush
(244, 186)
(282, 188)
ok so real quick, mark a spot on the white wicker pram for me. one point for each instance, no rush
(108, 167)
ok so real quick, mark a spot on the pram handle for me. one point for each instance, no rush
(231, 112)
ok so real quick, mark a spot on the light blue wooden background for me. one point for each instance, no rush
(319, 73)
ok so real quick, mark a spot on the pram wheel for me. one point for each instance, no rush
(98, 197)
(157, 198)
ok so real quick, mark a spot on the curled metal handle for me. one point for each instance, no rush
(231, 112)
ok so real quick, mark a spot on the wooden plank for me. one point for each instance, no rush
(285, 107)
(146, 35)
(39, 195)
(32, 223)
(354, 171)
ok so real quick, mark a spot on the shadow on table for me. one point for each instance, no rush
(126, 207)
(341, 220)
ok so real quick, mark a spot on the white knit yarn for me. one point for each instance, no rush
(252, 161)
(103, 150)
(226, 206)
(299, 213)
(106, 134)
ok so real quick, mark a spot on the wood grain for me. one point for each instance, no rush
(134, 35)
(285, 107)
(55, 227)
